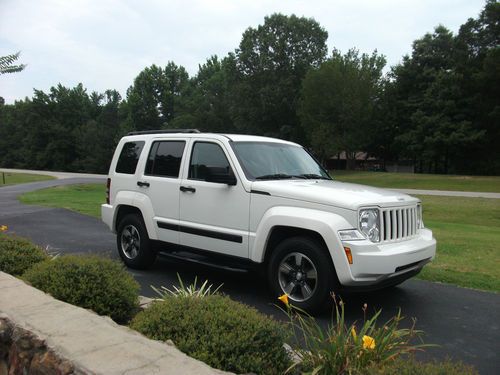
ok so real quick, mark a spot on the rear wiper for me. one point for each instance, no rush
(313, 176)
(276, 176)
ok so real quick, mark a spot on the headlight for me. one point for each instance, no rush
(369, 224)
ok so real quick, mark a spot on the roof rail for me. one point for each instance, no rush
(164, 131)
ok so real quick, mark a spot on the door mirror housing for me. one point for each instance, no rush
(221, 176)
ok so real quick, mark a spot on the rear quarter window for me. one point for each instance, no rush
(129, 156)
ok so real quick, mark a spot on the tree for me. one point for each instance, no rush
(157, 96)
(7, 61)
(269, 66)
(338, 102)
(430, 103)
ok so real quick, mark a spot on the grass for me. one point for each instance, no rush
(420, 181)
(467, 231)
(468, 235)
(85, 199)
(21, 178)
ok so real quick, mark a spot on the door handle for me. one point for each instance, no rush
(142, 184)
(187, 188)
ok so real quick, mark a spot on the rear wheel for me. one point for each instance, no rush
(133, 243)
(301, 268)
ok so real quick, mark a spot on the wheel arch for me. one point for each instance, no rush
(280, 223)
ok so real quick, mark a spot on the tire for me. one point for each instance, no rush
(133, 243)
(301, 268)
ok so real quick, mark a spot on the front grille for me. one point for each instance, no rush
(398, 223)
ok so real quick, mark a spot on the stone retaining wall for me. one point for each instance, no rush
(41, 335)
(21, 352)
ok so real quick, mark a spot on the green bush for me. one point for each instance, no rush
(411, 367)
(17, 255)
(223, 333)
(95, 283)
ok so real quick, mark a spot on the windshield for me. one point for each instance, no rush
(274, 161)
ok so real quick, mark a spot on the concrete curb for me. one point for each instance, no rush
(92, 343)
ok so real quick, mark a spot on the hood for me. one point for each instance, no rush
(334, 193)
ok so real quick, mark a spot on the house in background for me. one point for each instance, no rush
(365, 162)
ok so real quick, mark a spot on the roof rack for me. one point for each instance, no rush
(164, 131)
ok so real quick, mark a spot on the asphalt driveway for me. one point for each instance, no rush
(463, 322)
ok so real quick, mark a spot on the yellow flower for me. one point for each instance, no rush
(353, 333)
(368, 342)
(284, 299)
(3, 228)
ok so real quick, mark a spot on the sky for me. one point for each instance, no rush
(104, 44)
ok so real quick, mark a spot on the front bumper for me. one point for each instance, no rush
(386, 264)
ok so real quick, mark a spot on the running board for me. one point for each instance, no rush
(205, 262)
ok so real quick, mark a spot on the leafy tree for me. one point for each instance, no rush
(338, 102)
(6, 64)
(432, 110)
(157, 96)
(269, 66)
(210, 99)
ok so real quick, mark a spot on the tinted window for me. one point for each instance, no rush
(165, 158)
(127, 162)
(204, 156)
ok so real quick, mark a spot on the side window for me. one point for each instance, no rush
(165, 159)
(127, 162)
(207, 156)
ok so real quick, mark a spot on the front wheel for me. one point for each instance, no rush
(301, 268)
(133, 243)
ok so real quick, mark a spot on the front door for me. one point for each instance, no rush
(213, 216)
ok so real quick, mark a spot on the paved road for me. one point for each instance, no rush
(463, 322)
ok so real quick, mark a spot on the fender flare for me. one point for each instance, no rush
(326, 224)
(142, 203)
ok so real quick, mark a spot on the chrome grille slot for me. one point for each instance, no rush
(398, 223)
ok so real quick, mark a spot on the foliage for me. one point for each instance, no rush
(338, 101)
(269, 66)
(91, 282)
(438, 108)
(183, 290)
(410, 367)
(17, 254)
(344, 349)
(6, 64)
(218, 331)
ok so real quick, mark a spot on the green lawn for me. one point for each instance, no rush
(21, 178)
(86, 199)
(468, 235)
(420, 181)
(467, 230)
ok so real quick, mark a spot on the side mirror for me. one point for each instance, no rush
(221, 176)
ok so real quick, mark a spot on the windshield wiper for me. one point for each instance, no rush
(276, 176)
(313, 176)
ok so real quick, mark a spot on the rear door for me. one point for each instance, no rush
(213, 216)
(160, 182)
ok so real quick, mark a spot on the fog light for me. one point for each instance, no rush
(348, 254)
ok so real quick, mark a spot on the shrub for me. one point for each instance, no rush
(341, 348)
(223, 333)
(18, 255)
(411, 367)
(95, 283)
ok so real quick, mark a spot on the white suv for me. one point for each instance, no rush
(251, 200)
